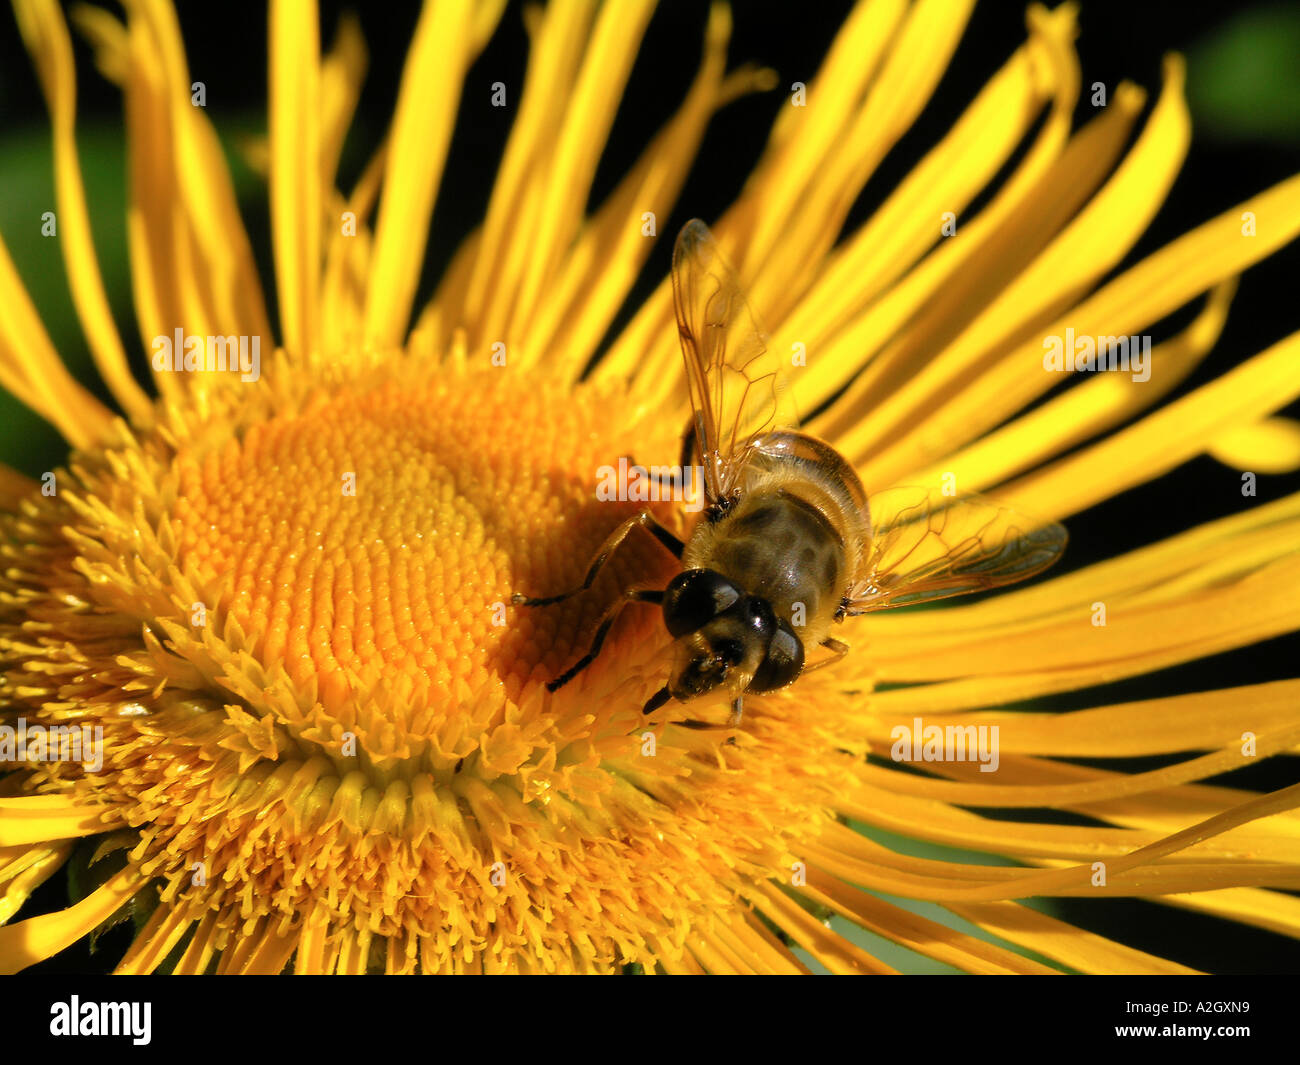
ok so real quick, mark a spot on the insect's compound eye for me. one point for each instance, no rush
(784, 661)
(695, 598)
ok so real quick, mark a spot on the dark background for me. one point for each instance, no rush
(1244, 87)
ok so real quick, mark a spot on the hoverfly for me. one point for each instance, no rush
(788, 543)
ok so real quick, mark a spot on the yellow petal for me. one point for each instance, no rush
(1069, 652)
(341, 74)
(445, 44)
(42, 818)
(828, 947)
(191, 261)
(1088, 409)
(919, 417)
(1163, 440)
(1074, 947)
(555, 212)
(295, 124)
(1261, 909)
(32, 371)
(46, 36)
(557, 37)
(27, 871)
(610, 249)
(927, 937)
(38, 938)
(164, 929)
(942, 823)
(1270, 445)
(201, 949)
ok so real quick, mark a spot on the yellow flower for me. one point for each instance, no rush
(278, 595)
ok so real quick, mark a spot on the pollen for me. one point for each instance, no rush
(334, 712)
(378, 534)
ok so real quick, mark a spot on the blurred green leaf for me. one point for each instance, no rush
(1244, 79)
(27, 442)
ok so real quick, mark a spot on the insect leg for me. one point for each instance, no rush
(674, 481)
(839, 649)
(646, 520)
(631, 595)
(657, 700)
(733, 721)
(688, 445)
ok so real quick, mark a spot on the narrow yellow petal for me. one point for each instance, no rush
(716, 959)
(556, 211)
(32, 371)
(974, 363)
(152, 223)
(1195, 722)
(1197, 558)
(46, 36)
(1055, 939)
(192, 264)
(1169, 810)
(310, 960)
(857, 859)
(107, 36)
(557, 37)
(1270, 445)
(443, 48)
(1072, 653)
(1113, 786)
(272, 954)
(20, 877)
(917, 57)
(768, 954)
(203, 946)
(341, 74)
(296, 164)
(155, 940)
(924, 936)
(607, 255)
(1163, 440)
(1253, 906)
(897, 335)
(347, 265)
(840, 83)
(1088, 409)
(43, 818)
(871, 286)
(830, 948)
(809, 132)
(942, 823)
(38, 938)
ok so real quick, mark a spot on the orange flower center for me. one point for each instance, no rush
(385, 529)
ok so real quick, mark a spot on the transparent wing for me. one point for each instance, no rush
(928, 546)
(738, 388)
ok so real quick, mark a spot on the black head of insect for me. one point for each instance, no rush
(726, 639)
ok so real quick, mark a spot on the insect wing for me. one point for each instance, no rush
(927, 546)
(738, 388)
